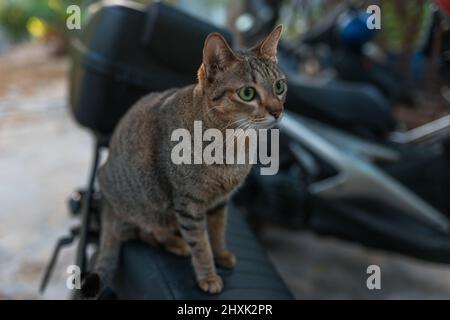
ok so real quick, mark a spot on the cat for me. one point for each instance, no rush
(183, 208)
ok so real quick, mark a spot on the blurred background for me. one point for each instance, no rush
(45, 155)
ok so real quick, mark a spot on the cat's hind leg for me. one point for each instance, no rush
(113, 233)
(168, 238)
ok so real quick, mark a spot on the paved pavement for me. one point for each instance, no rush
(44, 156)
(327, 268)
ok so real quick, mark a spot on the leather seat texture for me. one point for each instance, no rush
(151, 273)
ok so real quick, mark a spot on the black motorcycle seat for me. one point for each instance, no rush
(345, 105)
(146, 272)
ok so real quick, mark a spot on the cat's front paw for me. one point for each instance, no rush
(211, 284)
(225, 259)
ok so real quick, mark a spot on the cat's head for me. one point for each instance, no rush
(246, 89)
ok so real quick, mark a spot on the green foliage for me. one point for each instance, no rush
(397, 26)
(27, 18)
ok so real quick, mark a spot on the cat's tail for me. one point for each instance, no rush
(108, 255)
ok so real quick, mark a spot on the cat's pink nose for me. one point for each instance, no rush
(273, 107)
(275, 113)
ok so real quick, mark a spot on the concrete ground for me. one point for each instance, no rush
(44, 156)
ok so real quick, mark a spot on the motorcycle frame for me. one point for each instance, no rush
(358, 176)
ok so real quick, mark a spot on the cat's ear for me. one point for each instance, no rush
(267, 48)
(217, 54)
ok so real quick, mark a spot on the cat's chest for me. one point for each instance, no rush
(226, 178)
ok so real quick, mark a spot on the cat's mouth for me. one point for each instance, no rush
(265, 123)
(255, 123)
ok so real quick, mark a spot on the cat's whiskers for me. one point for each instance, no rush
(244, 122)
(238, 122)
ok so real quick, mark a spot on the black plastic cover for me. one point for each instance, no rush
(124, 53)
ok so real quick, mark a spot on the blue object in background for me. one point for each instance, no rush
(417, 66)
(353, 29)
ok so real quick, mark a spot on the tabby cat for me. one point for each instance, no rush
(183, 208)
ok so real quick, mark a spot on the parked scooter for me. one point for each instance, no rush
(371, 191)
(345, 32)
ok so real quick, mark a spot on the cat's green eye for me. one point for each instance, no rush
(247, 93)
(279, 86)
